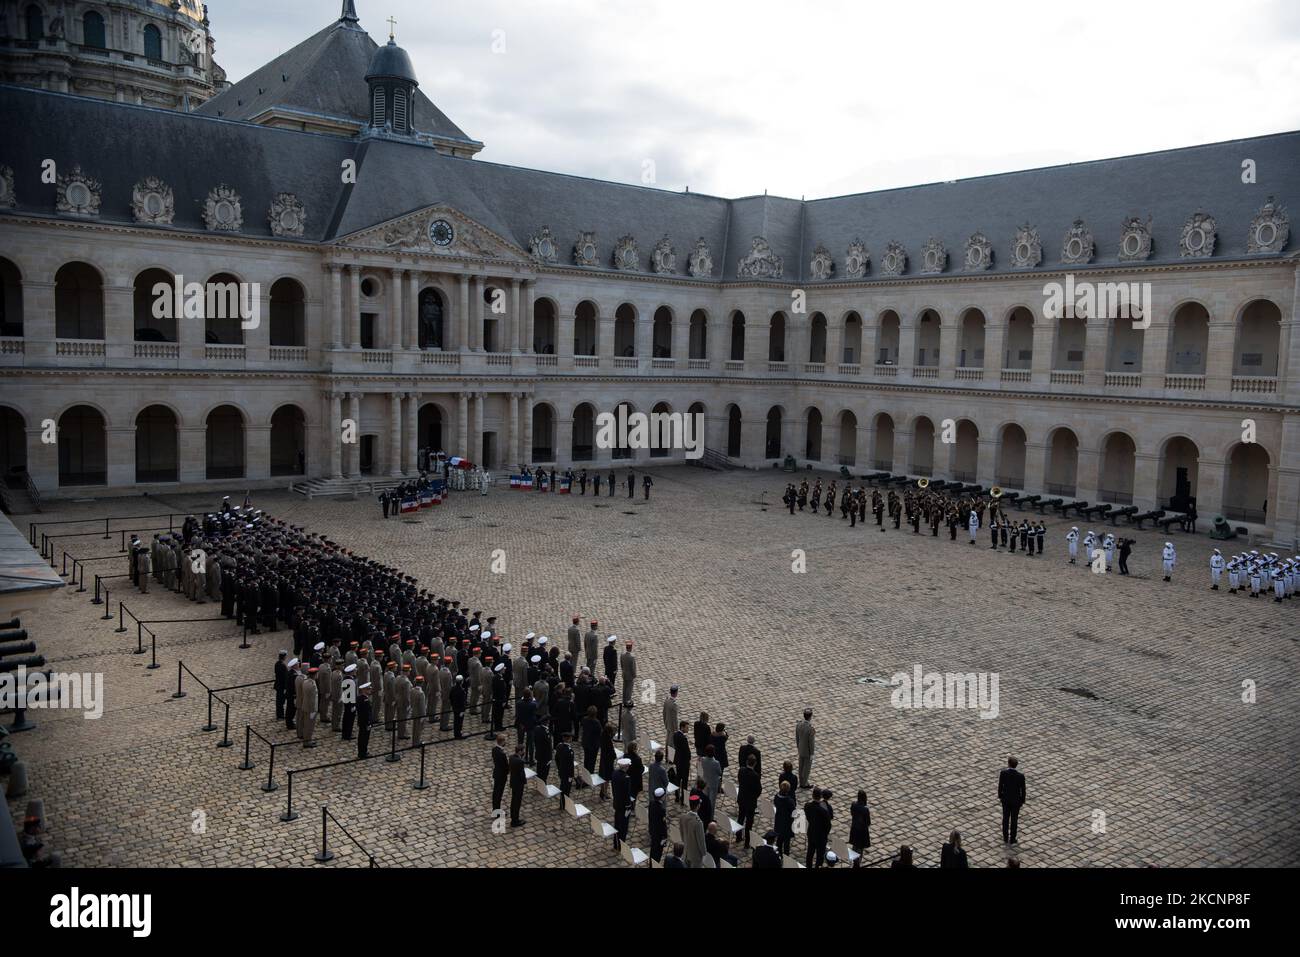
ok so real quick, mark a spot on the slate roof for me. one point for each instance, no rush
(323, 75)
(121, 143)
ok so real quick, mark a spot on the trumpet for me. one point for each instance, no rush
(995, 492)
(923, 483)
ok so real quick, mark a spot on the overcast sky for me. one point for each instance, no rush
(821, 99)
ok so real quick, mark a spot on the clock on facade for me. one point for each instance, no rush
(441, 233)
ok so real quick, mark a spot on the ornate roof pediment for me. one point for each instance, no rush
(437, 231)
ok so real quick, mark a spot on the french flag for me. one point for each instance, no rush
(565, 485)
(435, 497)
(520, 481)
(459, 463)
(546, 482)
(426, 499)
(410, 505)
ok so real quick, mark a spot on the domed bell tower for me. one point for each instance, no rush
(392, 83)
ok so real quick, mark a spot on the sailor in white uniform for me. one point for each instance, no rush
(1072, 541)
(973, 524)
(1109, 545)
(1216, 569)
(1168, 556)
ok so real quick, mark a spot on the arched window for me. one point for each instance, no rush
(92, 30)
(430, 319)
(11, 299)
(288, 309)
(152, 42)
(35, 23)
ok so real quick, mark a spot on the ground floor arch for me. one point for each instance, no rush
(813, 435)
(157, 457)
(1118, 466)
(543, 449)
(83, 447)
(225, 443)
(583, 445)
(288, 441)
(882, 446)
(848, 438)
(1062, 472)
(1180, 460)
(1012, 451)
(734, 425)
(1246, 483)
(13, 442)
(772, 445)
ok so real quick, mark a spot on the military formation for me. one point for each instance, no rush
(578, 480)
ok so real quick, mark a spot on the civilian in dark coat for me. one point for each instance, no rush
(952, 855)
(748, 787)
(783, 818)
(517, 780)
(542, 749)
(705, 808)
(766, 855)
(621, 788)
(500, 771)
(819, 829)
(702, 733)
(682, 762)
(607, 756)
(746, 750)
(564, 763)
(787, 774)
(719, 741)
(1011, 792)
(591, 729)
(658, 826)
(859, 826)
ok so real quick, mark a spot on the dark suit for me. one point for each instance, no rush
(517, 780)
(542, 751)
(500, 771)
(564, 766)
(658, 828)
(1011, 792)
(748, 787)
(620, 787)
(766, 856)
(281, 682)
(682, 762)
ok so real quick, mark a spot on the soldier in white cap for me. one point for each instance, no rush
(621, 790)
(348, 695)
(1216, 569)
(292, 685)
(485, 691)
(1072, 542)
(658, 823)
(973, 525)
(1168, 557)
(1279, 582)
(336, 697)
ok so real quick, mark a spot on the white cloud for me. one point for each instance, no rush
(837, 97)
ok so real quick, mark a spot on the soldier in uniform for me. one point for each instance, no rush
(348, 695)
(291, 687)
(418, 705)
(445, 688)
(627, 666)
(402, 692)
(390, 695)
(310, 703)
(363, 720)
(804, 735)
(591, 645)
(336, 695)
(670, 714)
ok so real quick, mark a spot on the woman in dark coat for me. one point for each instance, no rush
(606, 758)
(636, 773)
(952, 855)
(783, 819)
(702, 733)
(859, 826)
(590, 740)
(719, 741)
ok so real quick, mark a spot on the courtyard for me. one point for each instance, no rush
(1121, 697)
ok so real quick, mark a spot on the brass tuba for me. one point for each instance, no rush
(995, 492)
(923, 483)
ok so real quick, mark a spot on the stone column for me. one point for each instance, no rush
(1094, 351)
(528, 428)
(1146, 480)
(410, 438)
(948, 330)
(834, 345)
(396, 331)
(529, 304)
(476, 319)
(605, 340)
(515, 323)
(354, 307)
(643, 335)
(192, 448)
(1219, 357)
(1209, 491)
(514, 429)
(995, 344)
(462, 423)
(334, 294)
(1044, 341)
(476, 432)
(411, 339)
(1155, 353)
(463, 318)
(681, 339)
(119, 453)
(39, 328)
(1035, 468)
(257, 452)
(352, 463)
(119, 322)
(332, 436)
(394, 434)
(906, 347)
(986, 462)
(1088, 474)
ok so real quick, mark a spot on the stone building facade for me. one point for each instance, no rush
(130, 51)
(439, 301)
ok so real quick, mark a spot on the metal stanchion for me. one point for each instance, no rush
(81, 582)
(139, 638)
(225, 741)
(153, 652)
(179, 692)
(325, 854)
(393, 756)
(270, 784)
(108, 605)
(120, 627)
(105, 529)
(421, 785)
(209, 726)
(289, 813)
(244, 645)
(248, 743)
(96, 600)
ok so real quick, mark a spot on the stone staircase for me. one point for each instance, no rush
(351, 487)
(714, 461)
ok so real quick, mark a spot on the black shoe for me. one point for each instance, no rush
(519, 823)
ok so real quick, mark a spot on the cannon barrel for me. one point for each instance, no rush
(18, 635)
(28, 661)
(1080, 505)
(17, 648)
(1048, 503)
(1150, 516)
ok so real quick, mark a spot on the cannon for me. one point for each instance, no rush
(27, 661)
(1128, 511)
(11, 624)
(972, 489)
(1096, 511)
(876, 478)
(10, 648)
(1011, 498)
(938, 484)
(1080, 505)
(1178, 518)
(1048, 503)
(1150, 516)
(1222, 530)
(14, 635)
(1026, 500)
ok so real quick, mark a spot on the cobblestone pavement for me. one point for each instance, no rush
(1121, 697)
